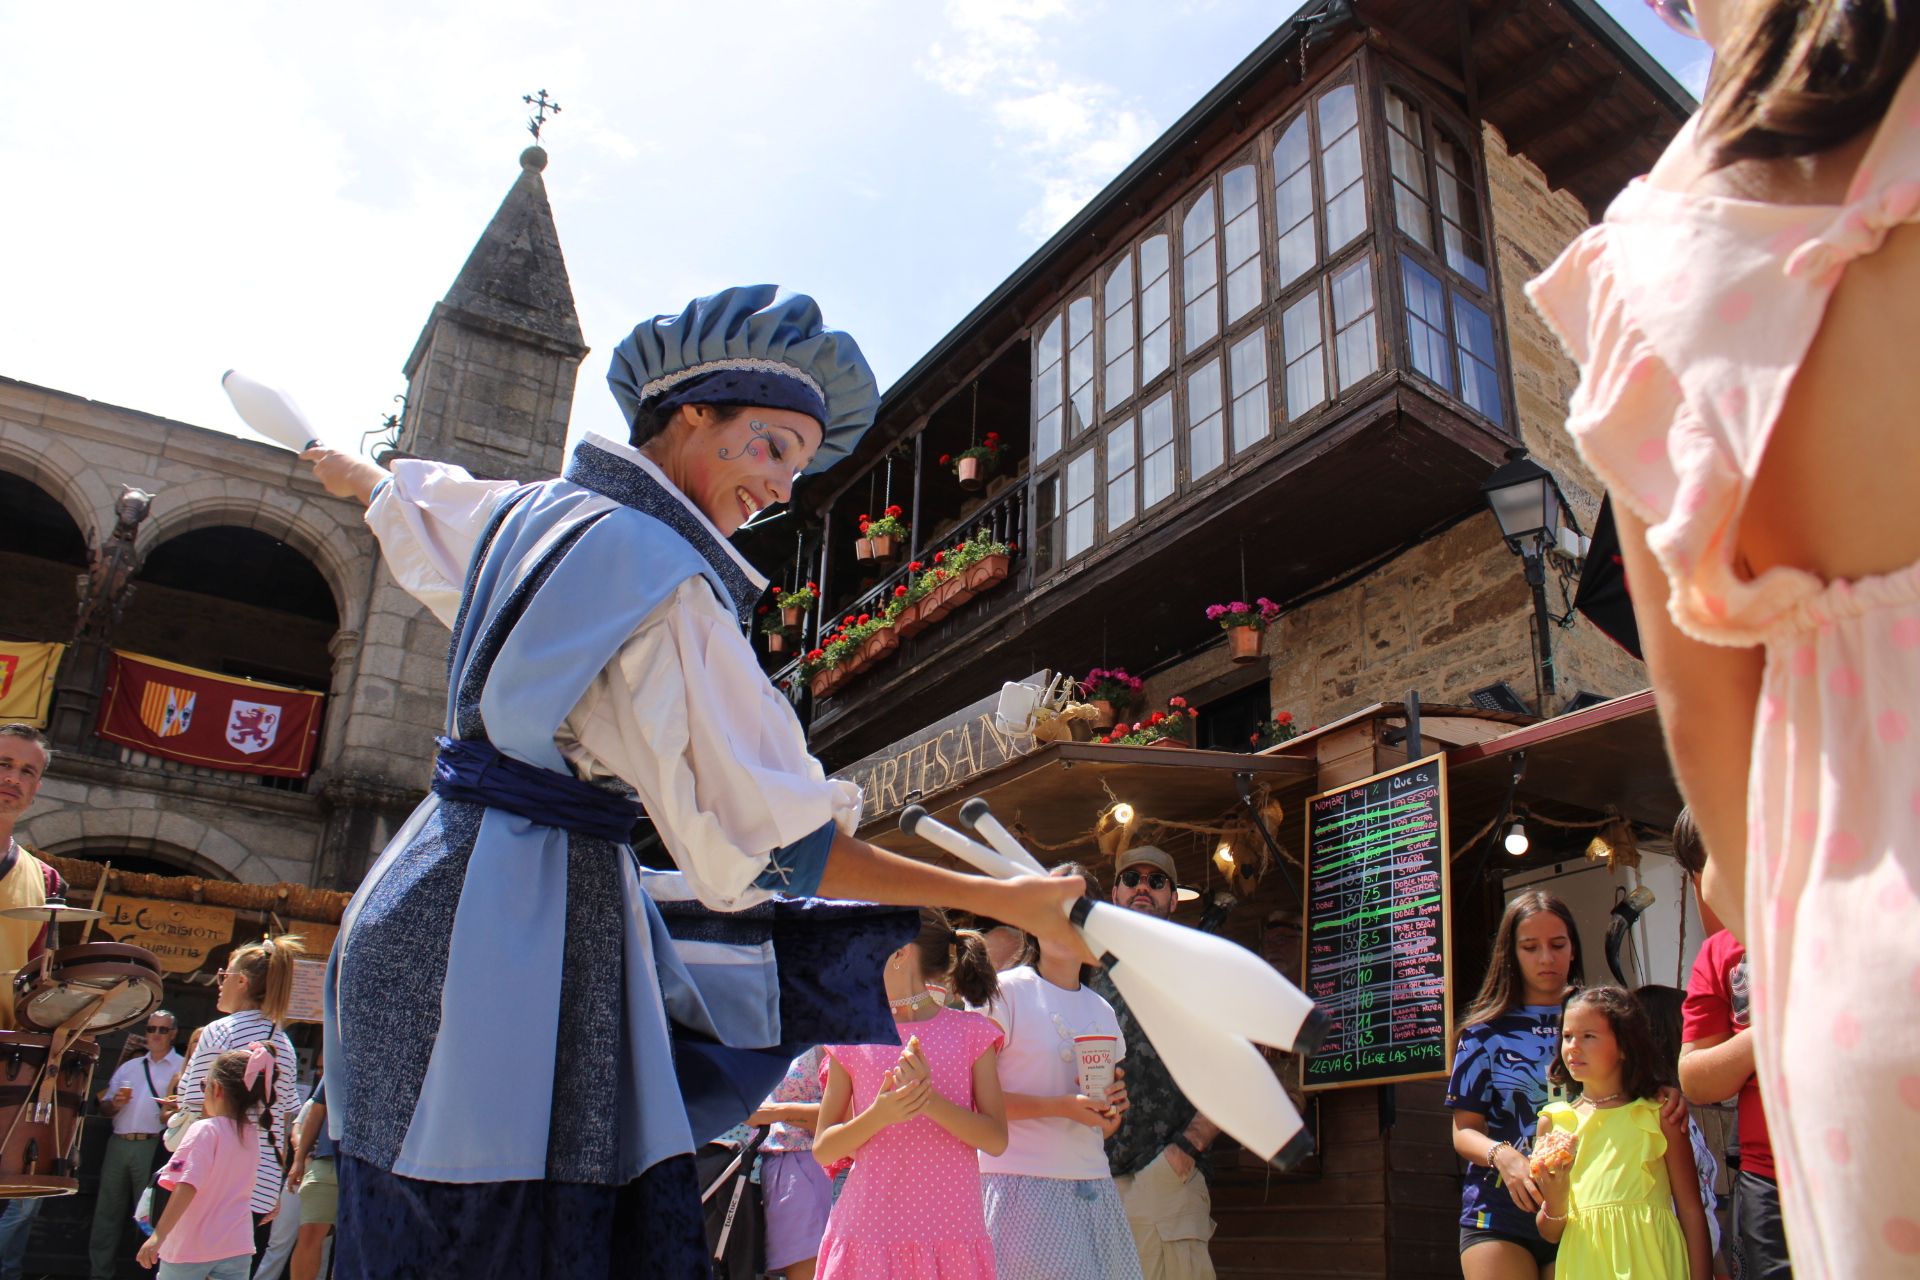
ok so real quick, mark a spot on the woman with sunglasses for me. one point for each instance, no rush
(254, 991)
(1743, 319)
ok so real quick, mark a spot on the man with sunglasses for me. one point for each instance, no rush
(1158, 1156)
(132, 1099)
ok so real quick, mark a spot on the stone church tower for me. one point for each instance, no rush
(490, 380)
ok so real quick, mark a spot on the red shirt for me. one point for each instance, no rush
(1717, 1007)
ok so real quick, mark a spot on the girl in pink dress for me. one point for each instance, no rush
(914, 1119)
(1744, 321)
(206, 1232)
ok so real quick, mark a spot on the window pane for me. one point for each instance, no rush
(1346, 203)
(1153, 258)
(1294, 149)
(1340, 164)
(1117, 299)
(1247, 374)
(1306, 365)
(1297, 253)
(1356, 346)
(1047, 349)
(1156, 448)
(1242, 244)
(1243, 290)
(1120, 478)
(1046, 509)
(1460, 213)
(1339, 111)
(1079, 519)
(1200, 273)
(1080, 363)
(1236, 191)
(1205, 450)
(1426, 323)
(1156, 352)
(1046, 436)
(1479, 359)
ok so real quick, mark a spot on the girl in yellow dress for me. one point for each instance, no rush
(1605, 1164)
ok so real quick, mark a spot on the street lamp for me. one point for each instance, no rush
(1526, 502)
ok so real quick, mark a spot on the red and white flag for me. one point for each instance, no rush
(198, 717)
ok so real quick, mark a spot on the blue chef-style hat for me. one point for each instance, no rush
(750, 345)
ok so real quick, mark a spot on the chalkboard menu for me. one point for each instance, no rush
(1377, 944)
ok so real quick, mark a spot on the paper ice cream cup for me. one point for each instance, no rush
(1094, 1055)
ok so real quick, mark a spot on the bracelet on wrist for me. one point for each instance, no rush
(1551, 1217)
(1185, 1144)
(1494, 1150)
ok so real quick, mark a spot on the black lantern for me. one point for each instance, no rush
(1526, 502)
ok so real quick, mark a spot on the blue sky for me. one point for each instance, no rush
(288, 189)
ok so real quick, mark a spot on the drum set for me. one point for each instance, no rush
(62, 1001)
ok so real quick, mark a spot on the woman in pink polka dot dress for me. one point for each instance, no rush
(914, 1119)
(1744, 318)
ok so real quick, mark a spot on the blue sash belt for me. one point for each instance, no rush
(477, 772)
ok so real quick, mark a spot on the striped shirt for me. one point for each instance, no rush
(237, 1031)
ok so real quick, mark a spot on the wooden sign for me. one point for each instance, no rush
(1378, 946)
(307, 1001)
(938, 758)
(180, 934)
(317, 938)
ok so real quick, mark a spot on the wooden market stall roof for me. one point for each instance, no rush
(288, 901)
(1056, 792)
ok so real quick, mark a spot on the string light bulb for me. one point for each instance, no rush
(1224, 855)
(1517, 842)
(1123, 813)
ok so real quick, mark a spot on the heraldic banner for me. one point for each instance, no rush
(197, 717)
(26, 681)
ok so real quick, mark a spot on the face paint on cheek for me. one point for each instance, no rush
(761, 433)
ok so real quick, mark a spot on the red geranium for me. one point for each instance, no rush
(900, 590)
(939, 556)
(865, 618)
(1177, 702)
(1285, 717)
(1157, 717)
(895, 511)
(946, 459)
(915, 567)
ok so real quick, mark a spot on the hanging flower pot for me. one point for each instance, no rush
(792, 617)
(968, 469)
(862, 549)
(987, 572)
(776, 642)
(1243, 643)
(1103, 714)
(884, 546)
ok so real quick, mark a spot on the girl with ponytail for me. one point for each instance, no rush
(207, 1231)
(1743, 318)
(914, 1120)
(1052, 1207)
(254, 991)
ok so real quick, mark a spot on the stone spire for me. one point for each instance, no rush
(490, 381)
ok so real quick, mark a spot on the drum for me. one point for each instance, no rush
(48, 992)
(40, 1142)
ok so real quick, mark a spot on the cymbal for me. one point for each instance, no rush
(55, 910)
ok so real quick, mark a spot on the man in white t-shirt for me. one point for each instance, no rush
(132, 1098)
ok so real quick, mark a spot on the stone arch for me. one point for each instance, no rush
(191, 845)
(306, 527)
(57, 471)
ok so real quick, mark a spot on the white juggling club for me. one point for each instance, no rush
(1207, 995)
(1232, 986)
(270, 411)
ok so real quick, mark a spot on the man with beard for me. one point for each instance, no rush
(1158, 1157)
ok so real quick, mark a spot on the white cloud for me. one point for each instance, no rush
(1072, 132)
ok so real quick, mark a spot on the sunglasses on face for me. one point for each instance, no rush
(151, 1028)
(1677, 14)
(1155, 880)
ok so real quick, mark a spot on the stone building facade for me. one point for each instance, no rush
(249, 568)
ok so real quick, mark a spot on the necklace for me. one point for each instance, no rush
(1612, 1097)
(912, 1003)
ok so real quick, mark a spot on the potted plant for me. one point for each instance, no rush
(776, 636)
(793, 605)
(1112, 693)
(1170, 728)
(887, 536)
(1273, 732)
(975, 463)
(1245, 625)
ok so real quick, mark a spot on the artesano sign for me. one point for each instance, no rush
(942, 756)
(180, 934)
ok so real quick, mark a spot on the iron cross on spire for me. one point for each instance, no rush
(541, 105)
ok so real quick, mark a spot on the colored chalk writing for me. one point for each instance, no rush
(1377, 945)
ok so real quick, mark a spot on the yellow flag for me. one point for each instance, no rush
(26, 681)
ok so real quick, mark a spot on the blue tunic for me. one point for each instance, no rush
(507, 1002)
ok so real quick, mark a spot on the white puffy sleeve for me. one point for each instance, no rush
(687, 718)
(429, 517)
